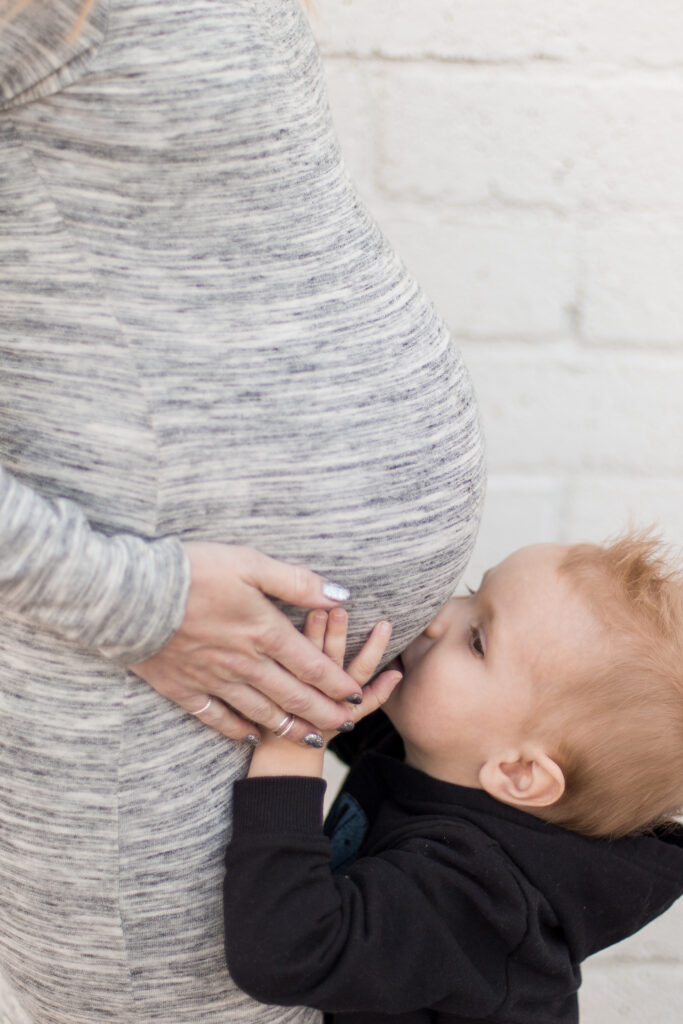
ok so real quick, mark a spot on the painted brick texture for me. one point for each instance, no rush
(525, 158)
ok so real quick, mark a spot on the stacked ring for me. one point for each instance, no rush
(285, 725)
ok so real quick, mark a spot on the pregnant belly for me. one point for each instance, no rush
(306, 402)
(362, 460)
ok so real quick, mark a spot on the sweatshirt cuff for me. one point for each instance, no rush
(278, 803)
(122, 595)
(156, 581)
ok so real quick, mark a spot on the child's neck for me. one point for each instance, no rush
(444, 769)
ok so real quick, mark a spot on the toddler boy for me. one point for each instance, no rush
(507, 815)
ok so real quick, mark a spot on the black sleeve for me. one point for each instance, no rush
(372, 733)
(427, 923)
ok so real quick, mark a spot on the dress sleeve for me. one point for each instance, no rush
(121, 595)
(45, 45)
(427, 923)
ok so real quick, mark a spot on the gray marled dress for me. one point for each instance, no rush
(202, 335)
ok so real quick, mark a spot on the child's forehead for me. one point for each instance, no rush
(531, 571)
(538, 614)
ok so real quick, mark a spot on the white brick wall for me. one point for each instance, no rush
(526, 158)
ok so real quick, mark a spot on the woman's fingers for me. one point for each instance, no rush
(281, 705)
(268, 691)
(256, 688)
(284, 644)
(291, 583)
(235, 646)
(215, 713)
(228, 616)
(247, 710)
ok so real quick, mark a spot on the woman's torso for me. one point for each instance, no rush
(205, 334)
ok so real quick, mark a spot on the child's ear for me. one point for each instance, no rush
(526, 781)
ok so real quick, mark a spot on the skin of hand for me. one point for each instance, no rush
(236, 647)
(328, 632)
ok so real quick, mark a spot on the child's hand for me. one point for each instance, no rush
(327, 630)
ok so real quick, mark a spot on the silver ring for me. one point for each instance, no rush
(205, 708)
(285, 725)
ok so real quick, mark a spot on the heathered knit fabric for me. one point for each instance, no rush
(203, 335)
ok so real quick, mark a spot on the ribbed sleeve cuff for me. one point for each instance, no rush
(156, 582)
(268, 804)
(122, 595)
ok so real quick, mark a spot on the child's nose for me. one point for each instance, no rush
(439, 624)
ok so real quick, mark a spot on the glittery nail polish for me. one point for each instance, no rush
(335, 591)
(346, 727)
(354, 698)
(252, 739)
(313, 739)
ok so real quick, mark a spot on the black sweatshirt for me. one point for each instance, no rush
(446, 906)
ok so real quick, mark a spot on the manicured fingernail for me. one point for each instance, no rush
(253, 739)
(346, 727)
(335, 591)
(354, 698)
(313, 739)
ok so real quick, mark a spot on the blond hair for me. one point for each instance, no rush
(618, 729)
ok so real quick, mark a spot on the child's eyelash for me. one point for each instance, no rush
(476, 643)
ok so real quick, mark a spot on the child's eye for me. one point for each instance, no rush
(476, 641)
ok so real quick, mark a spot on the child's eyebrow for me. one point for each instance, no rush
(488, 617)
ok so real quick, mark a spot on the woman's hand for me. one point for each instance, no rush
(328, 632)
(237, 660)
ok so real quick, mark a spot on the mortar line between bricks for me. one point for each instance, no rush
(568, 211)
(597, 71)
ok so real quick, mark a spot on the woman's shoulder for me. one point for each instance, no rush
(45, 45)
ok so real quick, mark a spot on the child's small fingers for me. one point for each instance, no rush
(314, 627)
(335, 635)
(377, 693)
(364, 665)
